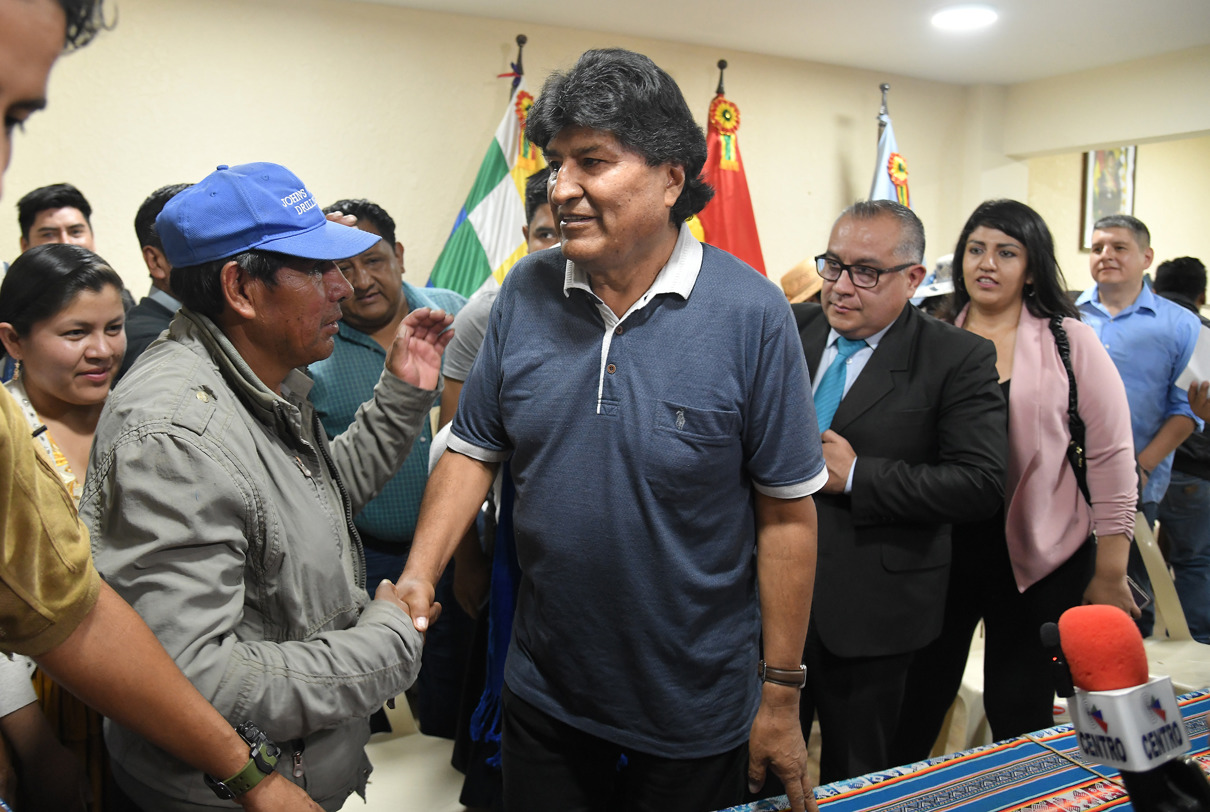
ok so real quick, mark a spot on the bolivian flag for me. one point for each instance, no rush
(890, 170)
(727, 222)
(486, 238)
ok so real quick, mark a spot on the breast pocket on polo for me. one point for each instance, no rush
(694, 452)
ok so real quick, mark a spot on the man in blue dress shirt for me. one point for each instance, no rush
(1150, 340)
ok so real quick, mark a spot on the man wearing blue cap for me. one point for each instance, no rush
(220, 511)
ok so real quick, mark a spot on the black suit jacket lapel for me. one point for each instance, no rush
(879, 377)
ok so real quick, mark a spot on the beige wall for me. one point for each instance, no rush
(1158, 98)
(398, 106)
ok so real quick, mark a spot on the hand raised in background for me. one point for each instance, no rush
(415, 354)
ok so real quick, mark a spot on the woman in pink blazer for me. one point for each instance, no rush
(1049, 549)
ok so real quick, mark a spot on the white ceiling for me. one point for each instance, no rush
(1033, 39)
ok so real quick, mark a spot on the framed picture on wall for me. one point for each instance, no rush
(1108, 187)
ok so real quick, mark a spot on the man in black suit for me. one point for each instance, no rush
(150, 317)
(914, 428)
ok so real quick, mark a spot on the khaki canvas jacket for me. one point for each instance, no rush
(220, 512)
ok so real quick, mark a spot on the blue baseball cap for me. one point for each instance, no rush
(260, 205)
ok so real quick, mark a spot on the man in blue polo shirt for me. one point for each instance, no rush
(1150, 340)
(652, 399)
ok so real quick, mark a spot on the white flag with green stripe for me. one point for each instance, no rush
(486, 239)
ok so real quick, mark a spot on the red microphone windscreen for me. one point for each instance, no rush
(1103, 648)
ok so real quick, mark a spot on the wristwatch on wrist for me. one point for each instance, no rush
(262, 758)
(790, 677)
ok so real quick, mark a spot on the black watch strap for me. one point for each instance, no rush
(790, 677)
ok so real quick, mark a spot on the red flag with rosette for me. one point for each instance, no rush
(727, 221)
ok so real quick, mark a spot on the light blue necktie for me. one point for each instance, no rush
(831, 388)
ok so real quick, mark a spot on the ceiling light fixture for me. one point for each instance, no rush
(965, 18)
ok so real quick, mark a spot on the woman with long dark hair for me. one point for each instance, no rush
(1054, 545)
(62, 321)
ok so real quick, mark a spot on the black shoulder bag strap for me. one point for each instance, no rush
(1075, 448)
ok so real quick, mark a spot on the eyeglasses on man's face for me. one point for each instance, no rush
(863, 276)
